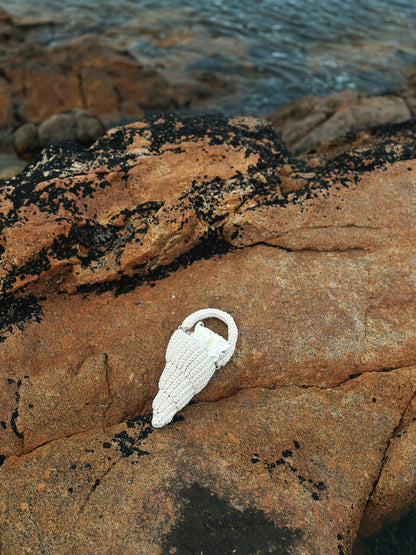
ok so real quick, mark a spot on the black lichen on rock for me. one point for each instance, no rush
(17, 311)
(66, 173)
(129, 444)
(211, 525)
(398, 538)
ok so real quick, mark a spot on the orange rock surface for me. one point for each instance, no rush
(300, 440)
(88, 73)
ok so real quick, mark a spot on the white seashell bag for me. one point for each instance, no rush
(191, 359)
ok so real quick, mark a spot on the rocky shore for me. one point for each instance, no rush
(71, 92)
(76, 90)
(306, 438)
(311, 120)
(303, 228)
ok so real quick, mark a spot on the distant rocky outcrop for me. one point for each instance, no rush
(89, 80)
(309, 121)
(88, 73)
(23, 143)
(305, 437)
(77, 125)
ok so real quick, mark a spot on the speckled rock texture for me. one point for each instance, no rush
(305, 437)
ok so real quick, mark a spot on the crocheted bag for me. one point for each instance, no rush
(191, 360)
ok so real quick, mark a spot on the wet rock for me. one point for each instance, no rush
(106, 250)
(10, 165)
(9, 31)
(88, 73)
(310, 121)
(26, 138)
(78, 125)
(193, 62)
(93, 74)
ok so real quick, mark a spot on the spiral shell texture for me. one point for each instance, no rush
(189, 365)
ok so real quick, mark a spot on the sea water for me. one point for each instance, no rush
(269, 51)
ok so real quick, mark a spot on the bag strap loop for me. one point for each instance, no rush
(205, 313)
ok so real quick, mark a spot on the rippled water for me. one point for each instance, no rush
(271, 51)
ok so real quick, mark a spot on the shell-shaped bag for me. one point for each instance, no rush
(192, 356)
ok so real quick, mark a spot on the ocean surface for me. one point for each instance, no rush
(269, 52)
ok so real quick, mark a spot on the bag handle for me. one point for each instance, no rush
(205, 313)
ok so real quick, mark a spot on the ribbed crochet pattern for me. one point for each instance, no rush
(189, 366)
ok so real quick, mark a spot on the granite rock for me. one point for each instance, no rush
(263, 471)
(26, 138)
(9, 30)
(79, 125)
(309, 121)
(88, 73)
(10, 165)
(297, 444)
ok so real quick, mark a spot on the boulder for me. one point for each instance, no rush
(297, 119)
(10, 165)
(362, 114)
(87, 127)
(57, 128)
(77, 125)
(309, 121)
(9, 30)
(88, 73)
(26, 138)
(297, 444)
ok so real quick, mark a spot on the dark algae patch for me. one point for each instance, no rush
(209, 525)
(395, 539)
(170, 131)
(211, 245)
(17, 311)
(128, 444)
(70, 174)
